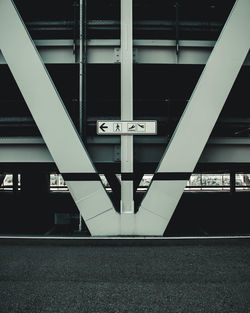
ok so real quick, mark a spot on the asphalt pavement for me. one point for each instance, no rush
(172, 278)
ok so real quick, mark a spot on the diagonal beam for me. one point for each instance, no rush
(53, 121)
(197, 121)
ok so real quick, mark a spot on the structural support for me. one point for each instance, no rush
(232, 182)
(80, 68)
(181, 155)
(201, 113)
(177, 31)
(47, 110)
(85, 60)
(127, 202)
(80, 84)
(107, 51)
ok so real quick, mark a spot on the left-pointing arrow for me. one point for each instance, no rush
(103, 127)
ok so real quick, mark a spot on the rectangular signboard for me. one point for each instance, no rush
(126, 127)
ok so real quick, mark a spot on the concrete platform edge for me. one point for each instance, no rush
(123, 241)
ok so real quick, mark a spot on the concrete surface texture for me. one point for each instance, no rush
(86, 279)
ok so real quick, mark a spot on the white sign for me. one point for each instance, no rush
(126, 127)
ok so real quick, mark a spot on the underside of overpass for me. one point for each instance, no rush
(68, 64)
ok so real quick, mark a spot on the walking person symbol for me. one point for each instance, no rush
(117, 129)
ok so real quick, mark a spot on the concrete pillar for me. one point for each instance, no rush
(232, 182)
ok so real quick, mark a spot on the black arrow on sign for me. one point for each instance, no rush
(103, 127)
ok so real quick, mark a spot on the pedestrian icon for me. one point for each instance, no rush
(117, 127)
(124, 128)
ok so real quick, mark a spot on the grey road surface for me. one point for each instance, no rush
(135, 279)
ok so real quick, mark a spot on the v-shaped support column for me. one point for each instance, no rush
(180, 156)
(54, 123)
(196, 123)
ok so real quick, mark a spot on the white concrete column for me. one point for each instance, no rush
(197, 122)
(127, 202)
(54, 123)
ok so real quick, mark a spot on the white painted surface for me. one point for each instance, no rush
(47, 109)
(201, 113)
(127, 153)
(126, 127)
(68, 151)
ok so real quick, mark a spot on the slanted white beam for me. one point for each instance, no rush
(197, 121)
(68, 151)
(48, 110)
